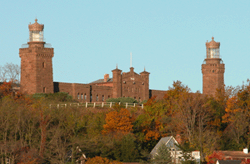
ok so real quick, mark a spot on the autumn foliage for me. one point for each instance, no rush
(118, 121)
(31, 131)
(211, 159)
(6, 89)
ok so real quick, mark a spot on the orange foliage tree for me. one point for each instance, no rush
(211, 159)
(148, 124)
(237, 118)
(5, 89)
(118, 121)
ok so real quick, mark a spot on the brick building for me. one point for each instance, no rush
(37, 74)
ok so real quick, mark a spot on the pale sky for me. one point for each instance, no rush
(166, 37)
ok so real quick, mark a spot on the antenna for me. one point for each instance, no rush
(130, 59)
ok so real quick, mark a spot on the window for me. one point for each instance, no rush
(44, 90)
(43, 64)
(102, 97)
(81, 96)
(108, 96)
(96, 97)
(85, 96)
(78, 96)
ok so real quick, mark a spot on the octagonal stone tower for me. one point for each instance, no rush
(213, 69)
(36, 63)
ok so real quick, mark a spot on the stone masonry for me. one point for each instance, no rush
(37, 75)
(213, 69)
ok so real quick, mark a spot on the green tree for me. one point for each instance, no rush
(122, 100)
(125, 149)
(163, 156)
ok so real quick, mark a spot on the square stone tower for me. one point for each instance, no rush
(213, 69)
(36, 63)
(117, 83)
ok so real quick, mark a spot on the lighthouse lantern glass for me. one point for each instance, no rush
(213, 53)
(36, 36)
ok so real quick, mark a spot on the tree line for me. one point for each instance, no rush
(31, 132)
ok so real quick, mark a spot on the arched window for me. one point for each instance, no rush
(102, 97)
(97, 98)
(108, 96)
(85, 96)
(81, 96)
(43, 64)
(44, 90)
(78, 96)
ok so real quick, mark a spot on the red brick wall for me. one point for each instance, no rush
(101, 93)
(75, 89)
(213, 75)
(36, 68)
(158, 93)
(135, 85)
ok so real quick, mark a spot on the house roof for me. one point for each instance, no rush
(102, 80)
(228, 162)
(236, 154)
(168, 141)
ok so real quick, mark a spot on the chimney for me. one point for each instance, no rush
(245, 150)
(131, 69)
(106, 77)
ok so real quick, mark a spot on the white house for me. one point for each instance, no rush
(175, 151)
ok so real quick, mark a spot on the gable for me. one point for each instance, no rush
(170, 142)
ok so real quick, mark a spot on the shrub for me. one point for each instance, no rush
(122, 100)
(59, 96)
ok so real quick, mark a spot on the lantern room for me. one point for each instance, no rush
(36, 32)
(213, 49)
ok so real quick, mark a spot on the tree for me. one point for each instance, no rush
(237, 118)
(211, 159)
(162, 156)
(118, 121)
(192, 116)
(10, 72)
(125, 149)
(122, 100)
(6, 89)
